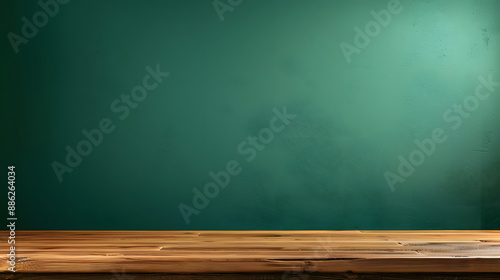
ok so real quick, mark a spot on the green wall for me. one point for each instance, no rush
(359, 107)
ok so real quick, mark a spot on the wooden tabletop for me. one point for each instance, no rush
(287, 252)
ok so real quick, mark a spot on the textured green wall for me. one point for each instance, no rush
(356, 107)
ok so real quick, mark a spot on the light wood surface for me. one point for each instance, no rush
(288, 252)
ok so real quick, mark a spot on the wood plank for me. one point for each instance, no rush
(292, 252)
(254, 276)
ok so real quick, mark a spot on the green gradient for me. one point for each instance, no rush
(325, 170)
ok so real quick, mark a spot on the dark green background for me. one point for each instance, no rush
(324, 171)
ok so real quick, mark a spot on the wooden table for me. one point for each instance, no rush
(127, 255)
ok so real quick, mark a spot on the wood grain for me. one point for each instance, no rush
(254, 276)
(287, 253)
